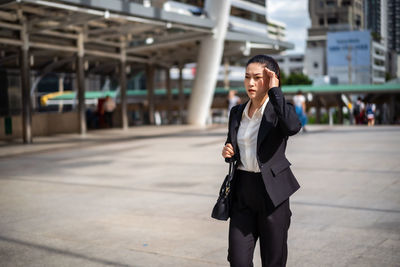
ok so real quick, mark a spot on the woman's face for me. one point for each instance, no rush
(256, 81)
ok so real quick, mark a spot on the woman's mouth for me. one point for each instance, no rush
(252, 91)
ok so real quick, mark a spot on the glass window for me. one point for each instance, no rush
(332, 20)
(330, 3)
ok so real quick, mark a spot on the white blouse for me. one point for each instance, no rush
(247, 138)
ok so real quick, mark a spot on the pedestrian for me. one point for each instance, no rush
(358, 111)
(262, 181)
(233, 100)
(370, 112)
(299, 101)
(109, 107)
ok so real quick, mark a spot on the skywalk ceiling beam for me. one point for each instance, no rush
(102, 42)
(60, 34)
(8, 16)
(72, 49)
(77, 19)
(10, 26)
(123, 29)
(173, 41)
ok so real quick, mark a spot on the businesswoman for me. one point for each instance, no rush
(263, 181)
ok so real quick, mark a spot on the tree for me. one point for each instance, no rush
(295, 79)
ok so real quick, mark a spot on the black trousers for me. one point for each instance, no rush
(109, 118)
(254, 217)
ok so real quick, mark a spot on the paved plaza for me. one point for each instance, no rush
(143, 197)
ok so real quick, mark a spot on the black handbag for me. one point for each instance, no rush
(221, 208)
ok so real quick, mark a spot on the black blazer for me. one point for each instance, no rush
(278, 123)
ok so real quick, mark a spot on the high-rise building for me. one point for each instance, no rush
(292, 63)
(375, 17)
(328, 16)
(393, 27)
(393, 37)
(382, 18)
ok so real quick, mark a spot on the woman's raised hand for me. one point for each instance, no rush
(273, 79)
(227, 151)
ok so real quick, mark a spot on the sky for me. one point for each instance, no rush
(294, 13)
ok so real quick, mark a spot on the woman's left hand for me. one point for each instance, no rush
(273, 79)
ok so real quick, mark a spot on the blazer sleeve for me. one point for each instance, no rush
(288, 120)
(228, 137)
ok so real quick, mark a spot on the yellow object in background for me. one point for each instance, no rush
(45, 98)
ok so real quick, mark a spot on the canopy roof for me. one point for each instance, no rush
(148, 35)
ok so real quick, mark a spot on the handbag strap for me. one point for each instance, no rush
(230, 170)
(230, 177)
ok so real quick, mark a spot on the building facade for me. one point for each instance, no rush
(393, 20)
(375, 19)
(393, 37)
(328, 16)
(292, 63)
(353, 57)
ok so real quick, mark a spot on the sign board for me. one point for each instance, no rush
(349, 51)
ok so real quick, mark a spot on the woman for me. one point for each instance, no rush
(263, 181)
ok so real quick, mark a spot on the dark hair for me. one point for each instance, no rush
(268, 62)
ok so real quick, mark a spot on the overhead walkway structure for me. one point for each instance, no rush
(96, 36)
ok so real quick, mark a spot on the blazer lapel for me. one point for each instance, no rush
(236, 124)
(267, 122)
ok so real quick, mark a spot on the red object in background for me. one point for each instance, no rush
(194, 71)
(100, 112)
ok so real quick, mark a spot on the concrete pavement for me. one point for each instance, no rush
(143, 197)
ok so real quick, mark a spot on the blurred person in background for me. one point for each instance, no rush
(109, 107)
(370, 113)
(299, 101)
(358, 111)
(262, 179)
(233, 100)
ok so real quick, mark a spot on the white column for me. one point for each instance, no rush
(209, 60)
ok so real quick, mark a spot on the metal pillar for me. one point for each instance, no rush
(61, 89)
(340, 109)
(80, 74)
(4, 106)
(209, 60)
(124, 102)
(25, 87)
(392, 109)
(181, 95)
(318, 109)
(330, 113)
(169, 95)
(150, 70)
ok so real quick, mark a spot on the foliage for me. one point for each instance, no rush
(295, 79)
(376, 37)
